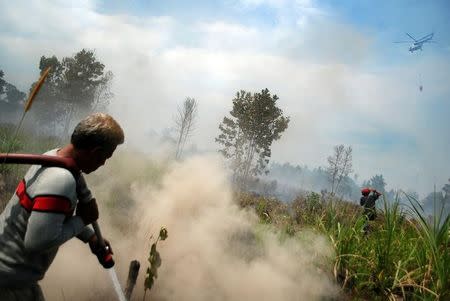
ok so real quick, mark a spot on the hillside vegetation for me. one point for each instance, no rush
(403, 255)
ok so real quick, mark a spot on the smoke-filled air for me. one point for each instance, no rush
(215, 250)
(257, 150)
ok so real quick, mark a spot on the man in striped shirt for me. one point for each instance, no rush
(40, 215)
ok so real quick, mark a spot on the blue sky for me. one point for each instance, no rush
(383, 21)
(333, 64)
(378, 18)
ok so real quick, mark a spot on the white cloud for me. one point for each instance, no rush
(298, 13)
(47, 18)
(316, 69)
(274, 3)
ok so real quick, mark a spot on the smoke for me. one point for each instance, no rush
(215, 250)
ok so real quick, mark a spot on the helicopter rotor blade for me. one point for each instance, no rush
(411, 37)
(428, 37)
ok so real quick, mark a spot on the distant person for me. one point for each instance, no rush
(368, 200)
(40, 215)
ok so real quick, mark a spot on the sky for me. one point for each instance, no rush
(333, 64)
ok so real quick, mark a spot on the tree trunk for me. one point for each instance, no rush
(248, 163)
(180, 138)
(133, 272)
(69, 117)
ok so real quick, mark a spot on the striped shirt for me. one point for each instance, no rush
(37, 220)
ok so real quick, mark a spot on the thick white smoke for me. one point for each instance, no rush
(215, 250)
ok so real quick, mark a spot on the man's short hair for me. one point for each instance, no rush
(97, 130)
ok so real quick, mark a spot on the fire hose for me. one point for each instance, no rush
(103, 253)
(43, 160)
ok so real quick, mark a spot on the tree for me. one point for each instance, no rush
(446, 190)
(438, 201)
(2, 82)
(247, 135)
(346, 186)
(9, 93)
(75, 86)
(340, 166)
(185, 123)
(11, 100)
(433, 202)
(377, 182)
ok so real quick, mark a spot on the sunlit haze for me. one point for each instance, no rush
(334, 66)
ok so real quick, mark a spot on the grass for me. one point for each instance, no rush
(434, 250)
(405, 254)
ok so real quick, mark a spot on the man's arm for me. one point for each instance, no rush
(50, 229)
(51, 224)
(376, 193)
(84, 195)
(86, 234)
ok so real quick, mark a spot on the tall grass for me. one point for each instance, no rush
(433, 252)
(404, 255)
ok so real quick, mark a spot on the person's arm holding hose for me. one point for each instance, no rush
(88, 210)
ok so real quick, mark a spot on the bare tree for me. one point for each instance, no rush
(340, 166)
(185, 123)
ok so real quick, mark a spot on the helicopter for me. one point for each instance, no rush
(418, 43)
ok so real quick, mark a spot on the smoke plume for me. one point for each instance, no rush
(215, 249)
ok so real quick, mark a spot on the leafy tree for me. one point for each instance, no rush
(339, 166)
(247, 135)
(377, 182)
(13, 95)
(347, 187)
(75, 86)
(185, 123)
(9, 93)
(11, 100)
(446, 199)
(2, 82)
(436, 201)
(446, 190)
(433, 202)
